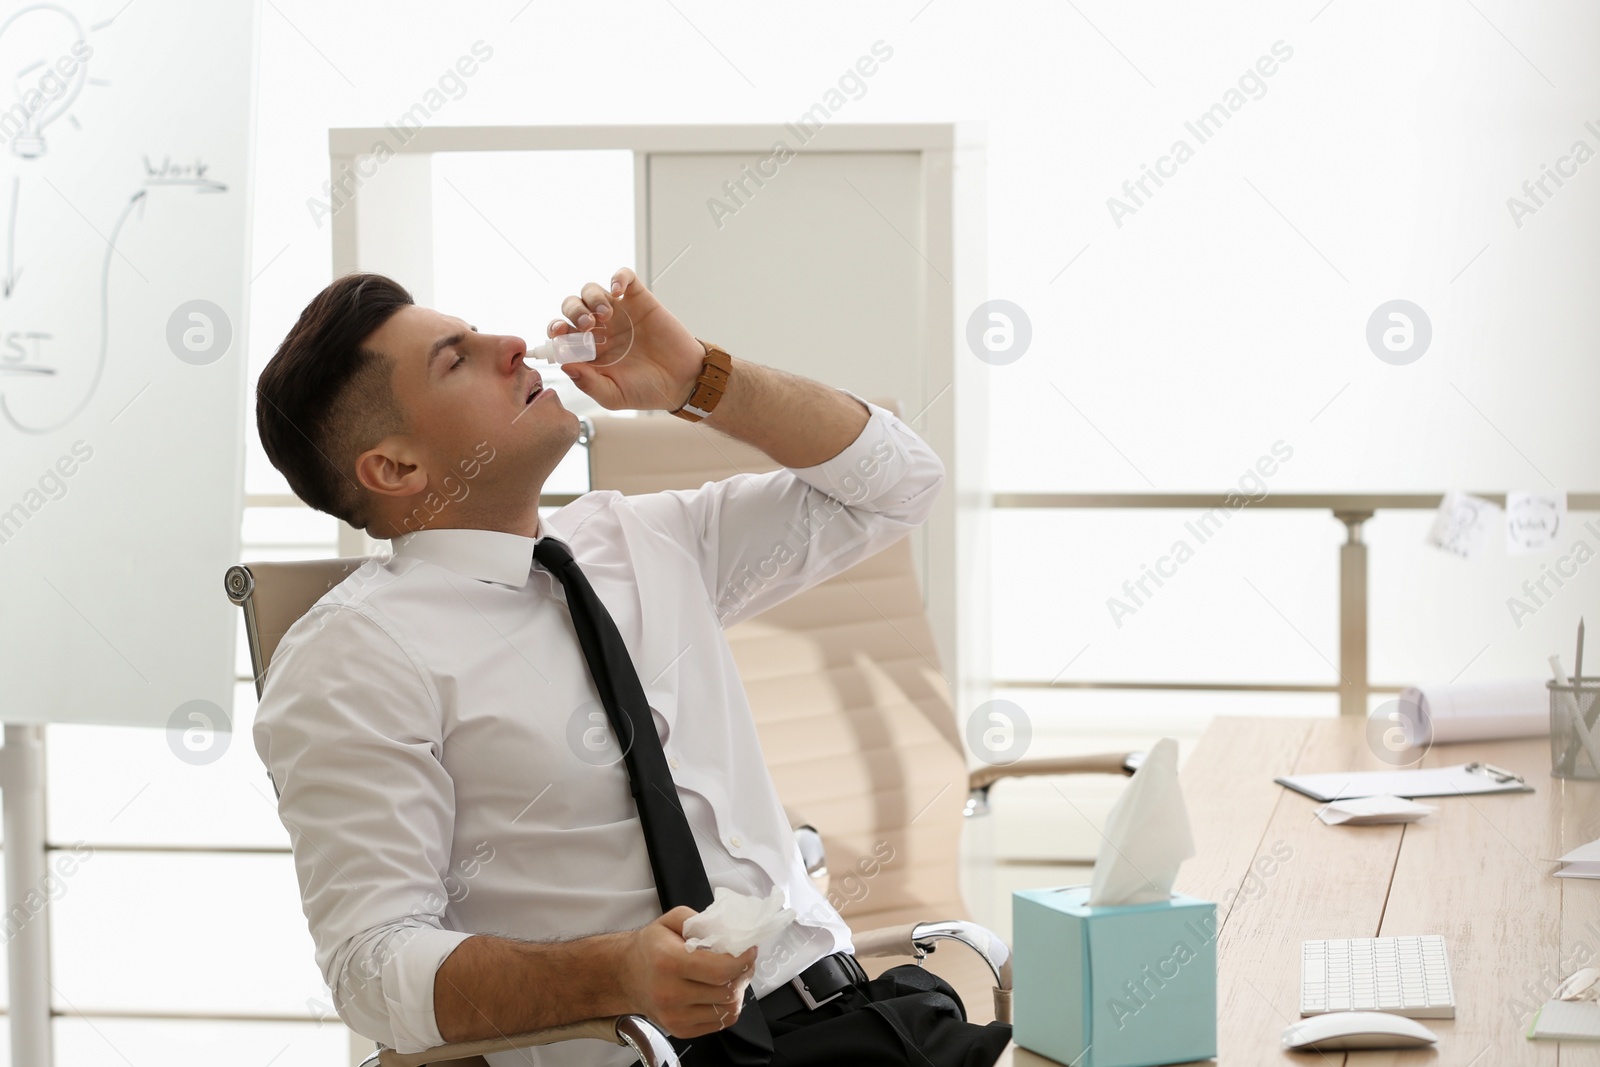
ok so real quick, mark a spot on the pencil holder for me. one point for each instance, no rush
(1575, 728)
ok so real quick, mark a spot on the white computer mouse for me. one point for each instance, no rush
(1356, 1029)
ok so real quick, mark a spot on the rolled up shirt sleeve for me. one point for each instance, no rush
(762, 538)
(350, 732)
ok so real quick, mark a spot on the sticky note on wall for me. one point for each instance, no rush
(1462, 524)
(1534, 519)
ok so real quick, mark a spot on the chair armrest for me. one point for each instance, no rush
(812, 852)
(635, 1031)
(919, 939)
(980, 780)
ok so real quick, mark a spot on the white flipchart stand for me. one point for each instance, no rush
(122, 376)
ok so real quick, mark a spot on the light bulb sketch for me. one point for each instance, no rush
(43, 52)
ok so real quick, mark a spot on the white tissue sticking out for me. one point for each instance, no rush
(735, 921)
(1146, 836)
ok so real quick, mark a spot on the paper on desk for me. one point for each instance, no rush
(735, 920)
(1146, 835)
(1579, 870)
(1534, 518)
(1461, 525)
(1583, 853)
(1371, 811)
(1581, 862)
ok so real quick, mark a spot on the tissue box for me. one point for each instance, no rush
(1129, 985)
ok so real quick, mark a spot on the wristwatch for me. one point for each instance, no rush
(711, 384)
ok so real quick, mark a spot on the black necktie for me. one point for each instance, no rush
(679, 872)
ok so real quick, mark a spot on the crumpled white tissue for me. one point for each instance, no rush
(1146, 835)
(736, 920)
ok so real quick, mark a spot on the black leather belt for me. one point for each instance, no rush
(822, 982)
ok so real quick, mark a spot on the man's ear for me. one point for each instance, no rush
(390, 468)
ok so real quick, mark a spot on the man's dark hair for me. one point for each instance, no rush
(323, 398)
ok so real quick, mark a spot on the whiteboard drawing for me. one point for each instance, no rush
(31, 38)
(44, 58)
(52, 362)
(125, 146)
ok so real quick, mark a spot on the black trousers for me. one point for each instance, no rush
(906, 1016)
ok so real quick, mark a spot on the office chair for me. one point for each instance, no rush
(857, 725)
(274, 596)
(854, 717)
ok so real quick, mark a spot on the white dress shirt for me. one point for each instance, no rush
(445, 766)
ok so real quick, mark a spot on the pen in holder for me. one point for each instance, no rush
(1575, 728)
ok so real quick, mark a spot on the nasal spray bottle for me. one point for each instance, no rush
(564, 348)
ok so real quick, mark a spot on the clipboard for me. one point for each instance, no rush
(1461, 779)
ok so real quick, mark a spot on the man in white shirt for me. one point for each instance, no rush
(469, 854)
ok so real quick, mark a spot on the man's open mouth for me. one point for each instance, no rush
(533, 392)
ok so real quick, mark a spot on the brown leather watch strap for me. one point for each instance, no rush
(711, 384)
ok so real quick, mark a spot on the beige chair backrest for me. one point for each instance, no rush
(854, 714)
(275, 594)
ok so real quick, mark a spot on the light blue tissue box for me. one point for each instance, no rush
(1129, 985)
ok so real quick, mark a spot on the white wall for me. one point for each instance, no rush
(1226, 314)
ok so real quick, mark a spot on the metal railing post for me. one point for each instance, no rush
(1353, 684)
(27, 921)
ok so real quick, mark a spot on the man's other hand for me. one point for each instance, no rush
(688, 993)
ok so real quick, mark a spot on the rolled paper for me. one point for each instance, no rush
(1475, 711)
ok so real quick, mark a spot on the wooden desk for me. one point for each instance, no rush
(1475, 871)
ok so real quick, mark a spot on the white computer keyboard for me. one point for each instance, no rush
(1401, 975)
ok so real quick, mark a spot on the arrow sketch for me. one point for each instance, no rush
(9, 282)
(136, 201)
